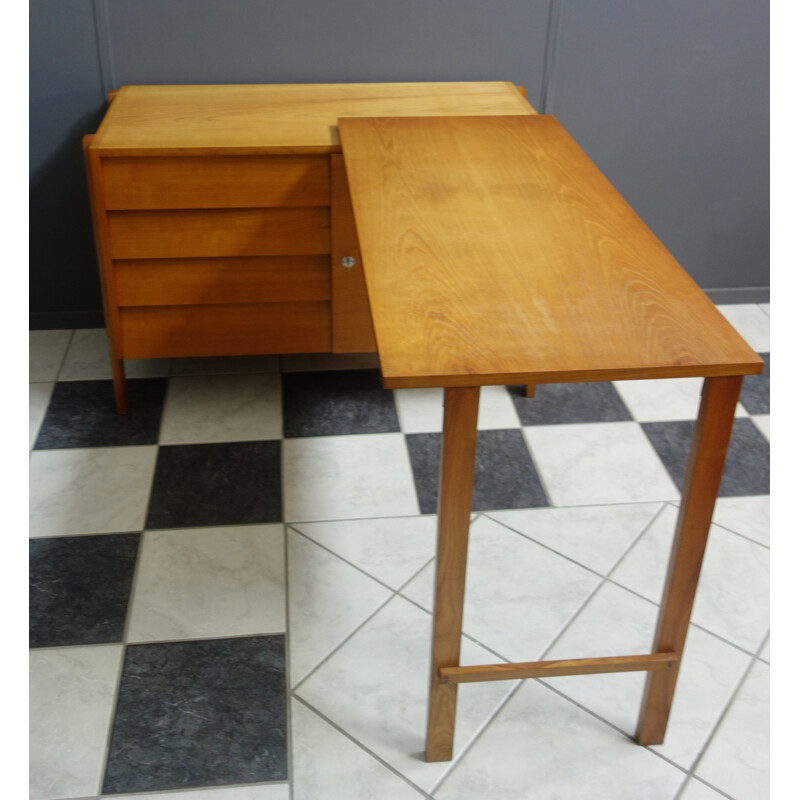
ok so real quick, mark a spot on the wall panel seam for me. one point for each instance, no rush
(551, 41)
(105, 50)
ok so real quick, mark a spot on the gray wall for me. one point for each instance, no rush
(669, 98)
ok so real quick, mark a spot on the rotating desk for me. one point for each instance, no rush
(468, 240)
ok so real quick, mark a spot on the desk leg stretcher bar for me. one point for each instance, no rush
(701, 484)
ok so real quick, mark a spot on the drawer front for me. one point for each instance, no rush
(216, 182)
(200, 281)
(225, 330)
(219, 232)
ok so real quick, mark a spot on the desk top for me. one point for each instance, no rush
(495, 252)
(253, 119)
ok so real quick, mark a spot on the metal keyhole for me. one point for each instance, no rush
(348, 261)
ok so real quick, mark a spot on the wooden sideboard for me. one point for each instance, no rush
(222, 215)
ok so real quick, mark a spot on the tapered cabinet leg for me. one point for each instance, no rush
(530, 390)
(701, 485)
(455, 504)
(120, 390)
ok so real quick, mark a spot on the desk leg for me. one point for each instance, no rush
(456, 476)
(700, 486)
(120, 390)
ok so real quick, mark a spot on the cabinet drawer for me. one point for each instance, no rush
(216, 182)
(219, 232)
(225, 330)
(200, 281)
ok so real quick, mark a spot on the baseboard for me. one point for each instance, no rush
(56, 320)
(751, 294)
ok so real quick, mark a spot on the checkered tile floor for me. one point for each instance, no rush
(231, 585)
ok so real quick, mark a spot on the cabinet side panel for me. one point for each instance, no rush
(351, 319)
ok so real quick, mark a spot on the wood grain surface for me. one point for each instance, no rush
(495, 252)
(278, 118)
(225, 330)
(202, 281)
(215, 232)
(553, 669)
(216, 182)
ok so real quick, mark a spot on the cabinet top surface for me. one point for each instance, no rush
(251, 119)
(495, 251)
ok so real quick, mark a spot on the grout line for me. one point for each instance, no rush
(682, 788)
(362, 746)
(529, 538)
(537, 468)
(565, 627)
(112, 718)
(134, 587)
(294, 522)
(716, 635)
(186, 789)
(64, 357)
(458, 759)
(710, 738)
(342, 558)
(341, 644)
(364, 622)
(611, 725)
(675, 504)
(287, 666)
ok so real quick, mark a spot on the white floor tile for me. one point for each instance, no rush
(696, 790)
(598, 463)
(88, 359)
(422, 410)
(375, 687)
(664, 400)
(542, 746)
(764, 307)
(313, 362)
(391, 550)
(751, 323)
(215, 365)
(733, 594)
(737, 760)
(257, 792)
(38, 399)
(519, 595)
(616, 622)
(347, 477)
(95, 490)
(746, 515)
(328, 766)
(45, 353)
(72, 691)
(595, 536)
(761, 421)
(328, 600)
(222, 408)
(208, 582)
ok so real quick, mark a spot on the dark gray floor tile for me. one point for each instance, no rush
(82, 414)
(746, 467)
(231, 483)
(79, 588)
(199, 713)
(563, 403)
(755, 390)
(505, 476)
(342, 402)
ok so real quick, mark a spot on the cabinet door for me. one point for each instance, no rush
(351, 321)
